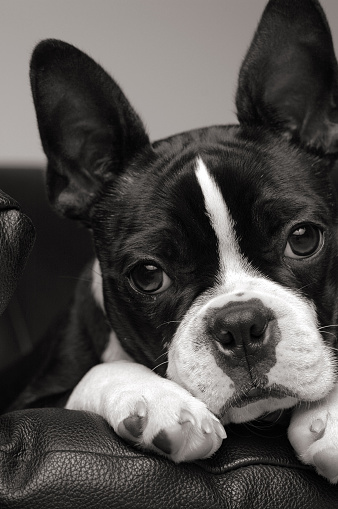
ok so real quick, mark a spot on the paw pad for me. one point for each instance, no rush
(132, 427)
(162, 441)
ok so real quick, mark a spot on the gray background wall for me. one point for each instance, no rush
(177, 60)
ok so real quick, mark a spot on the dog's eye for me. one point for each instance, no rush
(148, 278)
(305, 240)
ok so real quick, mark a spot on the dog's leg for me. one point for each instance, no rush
(149, 411)
(313, 433)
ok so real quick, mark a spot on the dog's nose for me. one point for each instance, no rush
(241, 324)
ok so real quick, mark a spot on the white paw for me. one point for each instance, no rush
(314, 435)
(150, 412)
(168, 420)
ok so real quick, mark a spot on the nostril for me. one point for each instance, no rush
(258, 329)
(240, 322)
(224, 336)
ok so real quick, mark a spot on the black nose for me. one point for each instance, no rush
(240, 324)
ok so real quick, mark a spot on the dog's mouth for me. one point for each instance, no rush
(254, 394)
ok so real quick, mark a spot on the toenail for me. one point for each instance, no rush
(318, 428)
(186, 416)
(141, 409)
(206, 426)
(220, 431)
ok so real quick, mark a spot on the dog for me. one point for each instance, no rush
(213, 295)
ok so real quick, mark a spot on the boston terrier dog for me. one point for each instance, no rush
(213, 296)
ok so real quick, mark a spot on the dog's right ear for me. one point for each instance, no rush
(289, 78)
(88, 129)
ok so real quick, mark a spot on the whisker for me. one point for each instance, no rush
(161, 355)
(305, 286)
(158, 365)
(330, 333)
(167, 323)
(77, 278)
(96, 272)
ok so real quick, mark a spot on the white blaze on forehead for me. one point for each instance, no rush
(231, 259)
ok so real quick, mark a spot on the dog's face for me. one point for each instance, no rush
(218, 247)
(226, 263)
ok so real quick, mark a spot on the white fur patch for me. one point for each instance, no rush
(97, 284)
(114, 350)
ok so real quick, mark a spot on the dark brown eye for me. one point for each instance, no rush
(148, 278)
(304, 240)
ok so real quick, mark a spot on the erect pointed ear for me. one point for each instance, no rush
(88, 129)
(288, 80)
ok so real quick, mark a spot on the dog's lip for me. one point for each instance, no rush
(256, 394)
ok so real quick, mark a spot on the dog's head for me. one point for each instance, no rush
(218, 247)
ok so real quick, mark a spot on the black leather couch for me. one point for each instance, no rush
(61, 250)
(55, 458)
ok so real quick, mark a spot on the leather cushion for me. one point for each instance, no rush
(58, 458)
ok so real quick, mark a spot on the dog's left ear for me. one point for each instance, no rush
(89, 130)
(289, 78)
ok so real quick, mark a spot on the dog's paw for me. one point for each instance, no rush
(149, 411)
(176, 432)
(168, 420)
(314, 435)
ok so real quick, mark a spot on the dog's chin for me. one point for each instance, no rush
(259, 409)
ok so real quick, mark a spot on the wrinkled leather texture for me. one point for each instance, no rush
(56, 458)
(16, 240)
